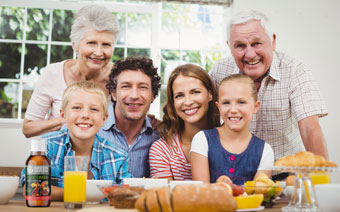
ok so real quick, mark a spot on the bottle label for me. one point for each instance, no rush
(37, 183)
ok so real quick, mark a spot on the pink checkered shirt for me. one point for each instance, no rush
(288, 94)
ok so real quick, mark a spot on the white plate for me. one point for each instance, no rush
(251, 209)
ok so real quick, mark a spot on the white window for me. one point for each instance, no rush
(35, 33)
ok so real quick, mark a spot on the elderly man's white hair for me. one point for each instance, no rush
(250, 15)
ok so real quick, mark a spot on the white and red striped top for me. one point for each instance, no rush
(169, 160)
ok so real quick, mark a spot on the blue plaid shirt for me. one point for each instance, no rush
(108, 162)
(138, 151)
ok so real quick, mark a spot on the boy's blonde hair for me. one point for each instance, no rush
(242, 78)
(86, 86)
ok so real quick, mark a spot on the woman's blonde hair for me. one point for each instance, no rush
(86, 86)
(172, 123)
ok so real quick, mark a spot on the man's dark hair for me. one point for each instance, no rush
(138, 64)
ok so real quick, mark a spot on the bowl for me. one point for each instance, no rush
(147, 183)
(9, 186)
(174, 183)
(327, 197)
(288, 191)
(269, 192)
(93, 190)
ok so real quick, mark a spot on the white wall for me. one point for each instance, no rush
(307, 29)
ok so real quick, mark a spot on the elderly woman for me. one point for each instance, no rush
(93, 35)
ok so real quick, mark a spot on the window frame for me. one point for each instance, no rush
(154, 8)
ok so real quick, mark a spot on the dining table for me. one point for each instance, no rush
(19, 205)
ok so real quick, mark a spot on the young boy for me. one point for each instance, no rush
(84, 108)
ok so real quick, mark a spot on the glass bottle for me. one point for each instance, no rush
(38, 176)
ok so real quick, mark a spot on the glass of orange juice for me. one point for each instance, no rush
(320, 178)
(75, 175)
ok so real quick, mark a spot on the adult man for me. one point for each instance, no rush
(133, 85)
(290, 101)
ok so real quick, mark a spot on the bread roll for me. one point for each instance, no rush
(152, 203)
(202, 198)
(140, 204)
(304, 158)
(164, 197)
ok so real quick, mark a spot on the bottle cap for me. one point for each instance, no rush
(38, 145)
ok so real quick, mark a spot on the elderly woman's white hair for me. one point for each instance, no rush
(251, 15)
(95, 17)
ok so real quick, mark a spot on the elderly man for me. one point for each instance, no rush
(133, 85)
(290, 101)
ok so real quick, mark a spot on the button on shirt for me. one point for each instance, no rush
(108, 162)
(287, 94)
(138, 151)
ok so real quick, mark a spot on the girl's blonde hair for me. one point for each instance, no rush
(86, 86)
(241, 78)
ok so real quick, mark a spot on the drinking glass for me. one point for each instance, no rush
(75, 176)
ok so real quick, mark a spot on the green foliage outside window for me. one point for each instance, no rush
(134, 39)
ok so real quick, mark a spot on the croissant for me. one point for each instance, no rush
(304, 158)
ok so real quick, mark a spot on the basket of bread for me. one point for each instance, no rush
(305, 159)
(187, 198)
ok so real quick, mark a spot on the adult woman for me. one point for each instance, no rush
(93, 35)
(190, 107)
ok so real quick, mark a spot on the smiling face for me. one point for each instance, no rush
(133, 95)
(84, 115)
(251, 48)
(95, 49)
(191, 100)
(236, 104)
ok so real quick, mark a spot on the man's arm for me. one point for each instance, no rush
(312, 136)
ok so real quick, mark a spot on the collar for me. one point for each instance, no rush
(111, 120)
(273, 71)
(67, 140)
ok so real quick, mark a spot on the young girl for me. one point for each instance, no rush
(231, 149)
(190, 108)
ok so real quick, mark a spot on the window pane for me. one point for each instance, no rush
(214, 30)
(35, 59)
(139, 29)
(170, 60)
(12, 22)
(192, 57)
(10, 54)
(62, 22)
(162, 99)
(118, 54)
(170, 32)
(37, 24)
(8, 99)
(138, 52)
(211, 58)
(60, 53)
(192, 34)
(26, 96)
(121, 17)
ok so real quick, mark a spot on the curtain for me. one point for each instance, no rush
(210, 2)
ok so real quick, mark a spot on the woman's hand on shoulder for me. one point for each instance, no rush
(154, 121)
